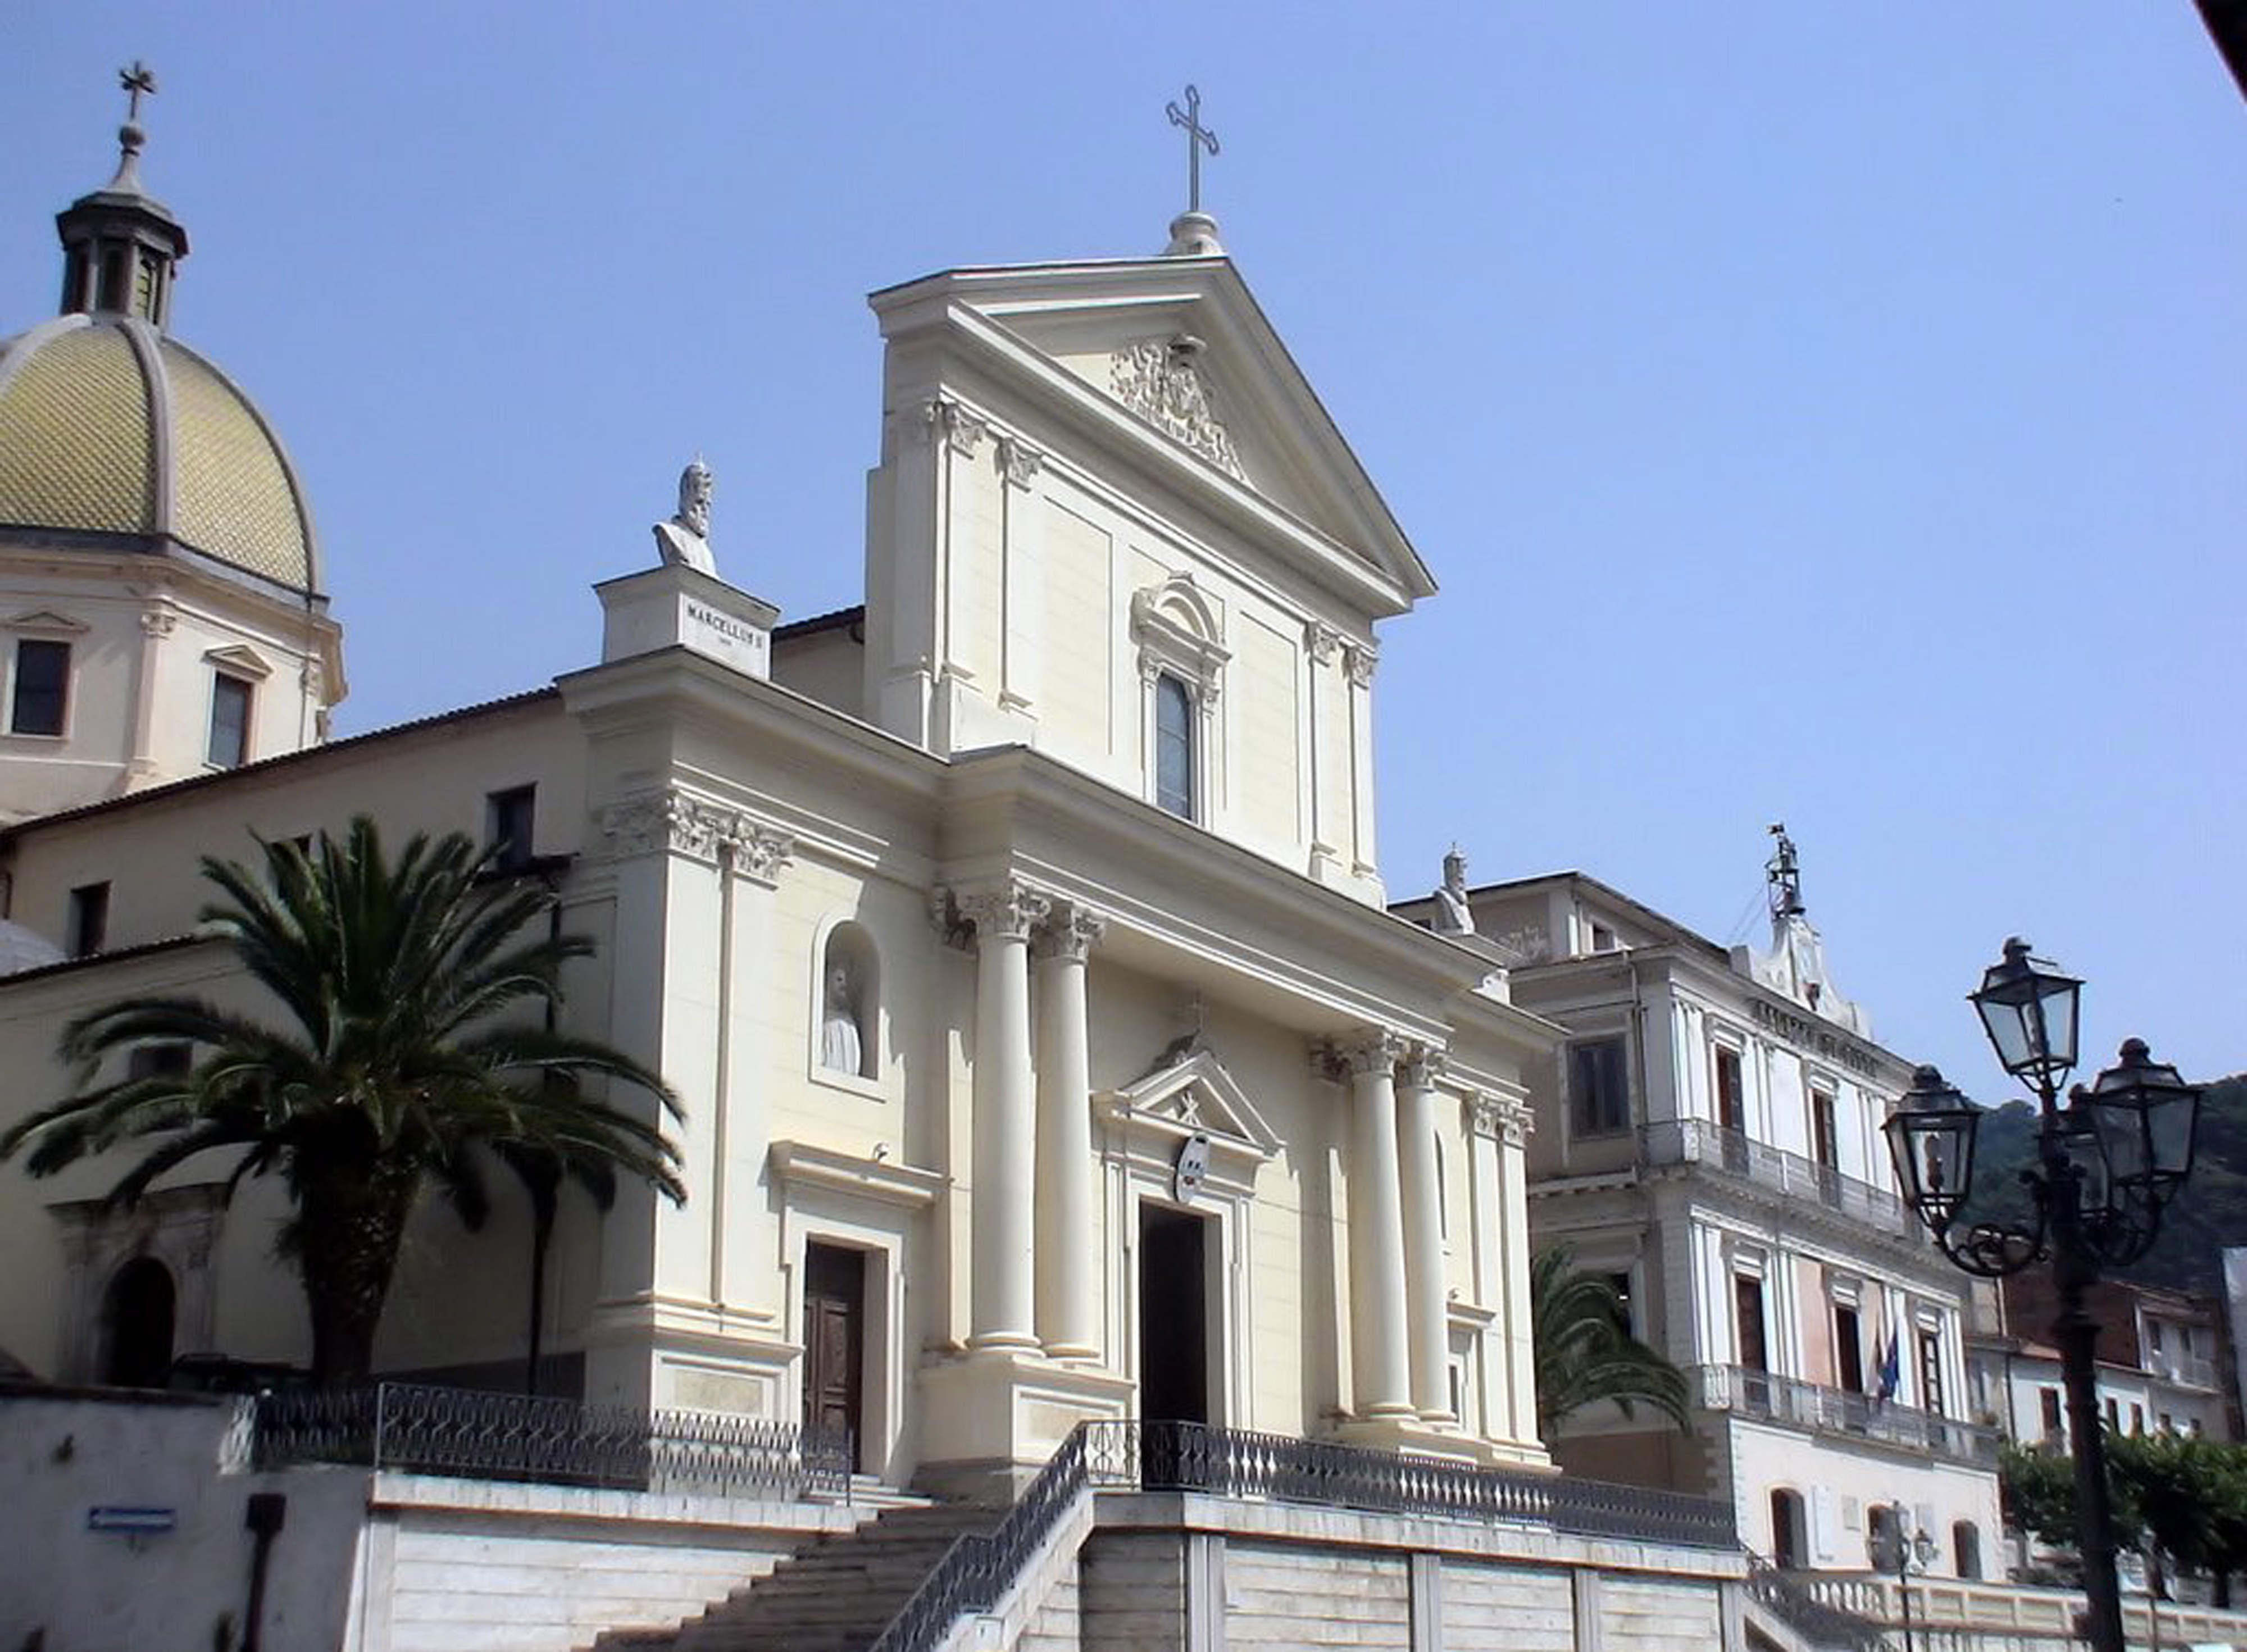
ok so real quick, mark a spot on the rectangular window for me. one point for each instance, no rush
(1848, 1350)
(1599, 1089)
(509, 817)
(2137, 1417)
(1174, 747)
(41, 693)
(1825, 1140)
(1747, 1310)
(1620, 1284)
(2049, 1399)
(2153, 1333)
(89, 919)
(1930, 1372)
(2114, 1414)
(229, 721)
(1731, 1112)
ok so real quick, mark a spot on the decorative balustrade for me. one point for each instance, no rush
(1838, 1411)
(1693, 1141)
(414, 1429)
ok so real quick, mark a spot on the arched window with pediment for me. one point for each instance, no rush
(1179, 632)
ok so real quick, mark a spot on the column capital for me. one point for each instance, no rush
(1503, 1118)
(159, 622)
(1019, 463)
(1008, 911)
(1362, 658)
(1370, 1049)
(669, 819)
(1070, 932)
(1323, 641)
(1420, 1066)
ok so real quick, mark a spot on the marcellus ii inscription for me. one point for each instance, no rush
(725, 625)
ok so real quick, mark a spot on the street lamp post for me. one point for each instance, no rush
(2107, 1164)
(1902, 1554)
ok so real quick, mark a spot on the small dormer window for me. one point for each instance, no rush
(1603, 938)
(229, 720)
(1174, 746)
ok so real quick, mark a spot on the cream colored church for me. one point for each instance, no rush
(1016, 942)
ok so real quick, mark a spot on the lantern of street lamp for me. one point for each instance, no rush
(2027, 1007)
(1931, 1139)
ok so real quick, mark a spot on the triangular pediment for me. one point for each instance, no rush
(1180, 351)
(44, 620)
(1188, 1090)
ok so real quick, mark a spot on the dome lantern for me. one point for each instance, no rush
(120, 244)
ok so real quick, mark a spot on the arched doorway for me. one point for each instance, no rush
(1966, 1549)
(137, 1316)
(1790, 1547)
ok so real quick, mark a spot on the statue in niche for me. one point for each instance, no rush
(842, 1047)
(685, 538)
(1454, 914)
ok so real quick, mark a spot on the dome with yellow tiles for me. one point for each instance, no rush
(113, 435)
(110, 428)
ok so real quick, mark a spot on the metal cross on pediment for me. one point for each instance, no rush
(1199, 137)
(137, 80)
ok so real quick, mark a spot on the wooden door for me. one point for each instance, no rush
(834, 1338)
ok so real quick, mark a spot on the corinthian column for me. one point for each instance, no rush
(1000, 1292)
(1067, 1222)
(1423, 1236)
(1379, 1367)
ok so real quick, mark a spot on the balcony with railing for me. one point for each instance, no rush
(1840, 1414)
(1730, 1152)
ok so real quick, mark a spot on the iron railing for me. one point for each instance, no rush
(421, 1429)
(1837, 1411)
(1232, 1462)
(1693, 1141)
(1278, 1468)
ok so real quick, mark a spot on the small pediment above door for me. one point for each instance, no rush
(1188, 1092)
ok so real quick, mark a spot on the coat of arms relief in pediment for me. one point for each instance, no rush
(1161, 380)
(1189, 1091)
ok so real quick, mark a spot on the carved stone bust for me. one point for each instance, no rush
(842, 1045)
(686, 538)
(1454, 913)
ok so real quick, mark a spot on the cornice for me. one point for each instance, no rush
(908, 1186)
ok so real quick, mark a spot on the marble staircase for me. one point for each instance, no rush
(834, 1595)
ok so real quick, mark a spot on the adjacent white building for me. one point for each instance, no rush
(1709, 1137)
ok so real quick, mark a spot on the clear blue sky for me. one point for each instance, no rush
(1823, 413)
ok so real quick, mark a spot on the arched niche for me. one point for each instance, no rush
(846, 1004)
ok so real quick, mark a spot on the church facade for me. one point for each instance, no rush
(1015, 942)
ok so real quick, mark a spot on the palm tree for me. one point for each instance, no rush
(1585, 1350)
(396, 1058)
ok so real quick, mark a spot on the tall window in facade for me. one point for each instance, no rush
(39, 693)
(1599, 1088)
(509, 818)
(1930, 1372)
(1747, 1312)
(1848, 1350)
(1174, 746)
(1825, 1138)
(89, 919)
(1731, 1110)
(229, 721)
